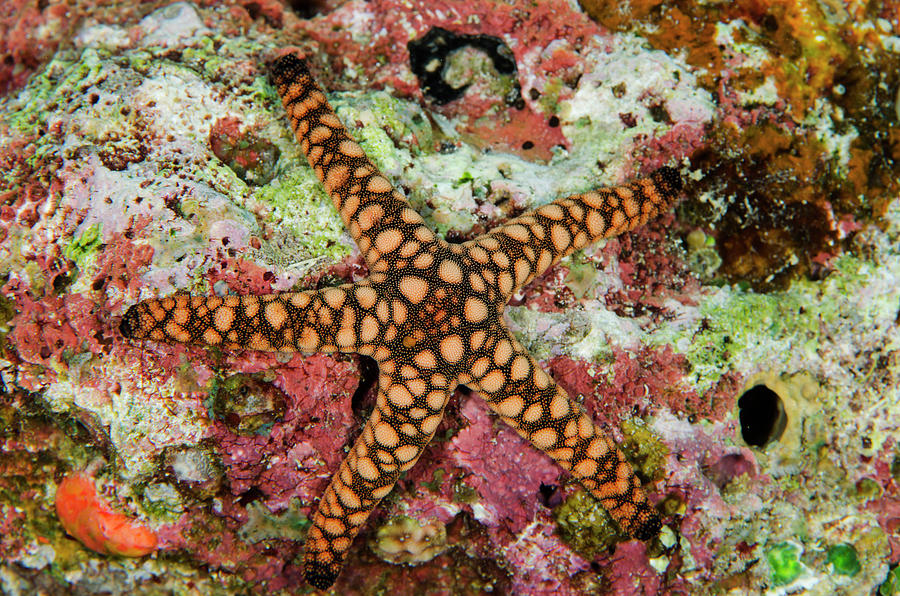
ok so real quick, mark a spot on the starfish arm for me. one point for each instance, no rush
(407, 412)
(535, 241)
(335, 319)
(377, 216)
(527, 398)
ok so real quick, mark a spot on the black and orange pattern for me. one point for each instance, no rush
(430, 314)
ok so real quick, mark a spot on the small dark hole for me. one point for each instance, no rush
(250, 495)
(549, 495)
(762, 416)
(368, 378)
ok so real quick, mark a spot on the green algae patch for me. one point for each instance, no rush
(843, 559)
(85, 244)
(784, 561)
(584, 525)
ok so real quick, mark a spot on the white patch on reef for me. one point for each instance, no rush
(630, 79)
(357, 22)
(139, 421)
(111, 199)
(823, 118)
(484, 515)
(193, 465)
(105, 36)
(743, 54)
(606, 329)
(164, 495)
(37, 556)
(659, 564)
(172, 25)
(179, 104)
(765, 94)
(461, 184)
(237, 233)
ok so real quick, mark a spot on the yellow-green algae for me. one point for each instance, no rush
(88, 242)
(585, 525)
(784, 562)
(644, 448)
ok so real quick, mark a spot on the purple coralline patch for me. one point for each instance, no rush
(297, 456)
(628, 572)
(543, 563)
(505, 470)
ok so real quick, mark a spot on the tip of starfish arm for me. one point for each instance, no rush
(647, 525)
(287, 68)
(320, 576)
(667, 179)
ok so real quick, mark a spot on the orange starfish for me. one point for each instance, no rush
(431, 315)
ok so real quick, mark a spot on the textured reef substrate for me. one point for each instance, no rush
(743, 348)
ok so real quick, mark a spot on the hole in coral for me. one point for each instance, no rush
(762, 416)
(254, 493)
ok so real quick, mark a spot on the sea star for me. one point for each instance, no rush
(431, 315)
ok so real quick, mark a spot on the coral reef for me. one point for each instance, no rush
(743, 349)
